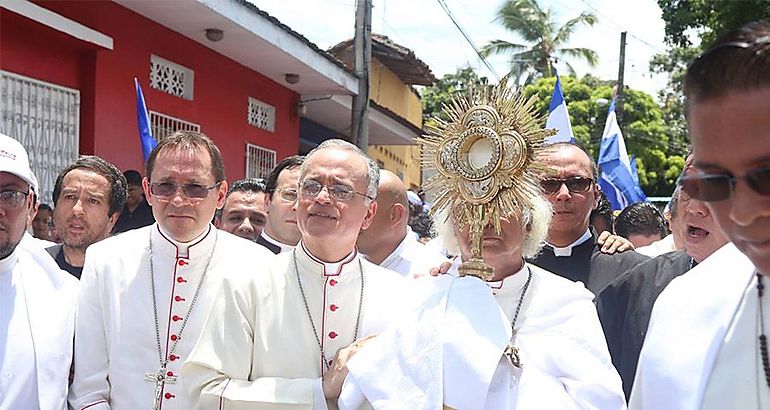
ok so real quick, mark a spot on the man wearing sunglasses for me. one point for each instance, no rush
(37, 299)
(706, 346)
(281, 233)
(571, 247)
(145, 293)
(283, 339)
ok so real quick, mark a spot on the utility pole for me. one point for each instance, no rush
(621, 70)
(362, 48)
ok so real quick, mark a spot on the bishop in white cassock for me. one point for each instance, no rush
(459, 348)
(146, 293)
(281, 340)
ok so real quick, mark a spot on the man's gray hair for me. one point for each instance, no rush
(534, 222)
(373, 170)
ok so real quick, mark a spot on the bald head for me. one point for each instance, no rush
(388, 227)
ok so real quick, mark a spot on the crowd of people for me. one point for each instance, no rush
(176, 289)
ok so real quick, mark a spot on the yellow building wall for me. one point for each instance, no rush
(387, 90)
(402, 160)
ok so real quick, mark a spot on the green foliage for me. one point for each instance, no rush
(440, 93)
(708, 18)
(642, 124)
(545, 40)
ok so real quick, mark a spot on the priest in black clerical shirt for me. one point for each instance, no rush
(571, 249)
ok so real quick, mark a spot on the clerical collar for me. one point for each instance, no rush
(7, 264)
(284, 247)
(183, 248)
(567, 250)
(330, 268)
(515, 280)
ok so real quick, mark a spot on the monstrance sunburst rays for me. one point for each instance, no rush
(484, 156)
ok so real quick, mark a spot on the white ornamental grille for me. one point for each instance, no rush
(163, 125)
(45, 118)
(171, 78)
(261, 115)
(259, 161)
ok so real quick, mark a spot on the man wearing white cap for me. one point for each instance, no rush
(37, 299)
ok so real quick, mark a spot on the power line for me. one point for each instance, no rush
(655, 48)
(467, 38)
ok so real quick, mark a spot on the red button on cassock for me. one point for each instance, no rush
(170, 374)
(173, 357)
(181, 280)
(176, 318)
(178, 298)
(333, 308)
(169, 396)
(332, 335)
(174, 337)
(332, 282)
(182, 263)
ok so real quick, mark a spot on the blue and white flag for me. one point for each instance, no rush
(617, 175)
(143, 123)
(558, 117)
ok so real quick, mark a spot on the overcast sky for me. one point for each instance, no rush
(423, 26)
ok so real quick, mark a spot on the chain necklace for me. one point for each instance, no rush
(512, 351)
(762, 338)
(309, 316)
(161, 377)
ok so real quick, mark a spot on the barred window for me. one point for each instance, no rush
(259, 161)
(261, 115)
(164, 125)
(171, 78)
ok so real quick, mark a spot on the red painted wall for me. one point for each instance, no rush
(105, 78)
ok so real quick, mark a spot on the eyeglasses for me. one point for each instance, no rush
(288, 194)
(338, 192)
(12, 199)
(574, 184)
(718, 187)
(191, 191)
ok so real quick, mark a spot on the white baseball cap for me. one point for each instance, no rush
(15, 160)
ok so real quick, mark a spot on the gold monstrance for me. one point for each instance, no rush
(484, 156)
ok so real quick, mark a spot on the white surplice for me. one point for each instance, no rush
(258, 349)
(694, 319)
(412, 258)
(450, 351)
(38, 302)
(115, 342)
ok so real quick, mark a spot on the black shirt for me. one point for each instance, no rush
(57, 253)
(141, 217)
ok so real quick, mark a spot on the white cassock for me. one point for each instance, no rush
(115, 340)
(701, 350)
(450, 351)
(37, 322)
(412, 258)
(258, 349)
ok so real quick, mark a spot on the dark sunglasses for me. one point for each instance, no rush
(574, 184)
(168, 189)
(718, 187)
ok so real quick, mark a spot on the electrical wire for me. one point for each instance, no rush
(443, 5)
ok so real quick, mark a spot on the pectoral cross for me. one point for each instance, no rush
(160, 378)
(513, 355)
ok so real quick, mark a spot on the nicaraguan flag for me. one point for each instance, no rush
(143, 122)
(617, 175)
(558, 117)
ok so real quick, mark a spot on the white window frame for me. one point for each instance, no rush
(253, 117)
(188, 80)
(259, 161)
(163, 125)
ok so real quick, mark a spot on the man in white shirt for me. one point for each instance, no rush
(282, 339)
(388, 241)
(706, 346)
(145, 293)
(281, 233)
(37, 299)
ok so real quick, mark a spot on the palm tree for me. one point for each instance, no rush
(544, 38)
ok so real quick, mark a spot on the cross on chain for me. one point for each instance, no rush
(160, 379)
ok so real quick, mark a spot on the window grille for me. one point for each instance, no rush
(259, 161)
(45, 118)
(171, 78)
(261, 115)
(163, 125)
